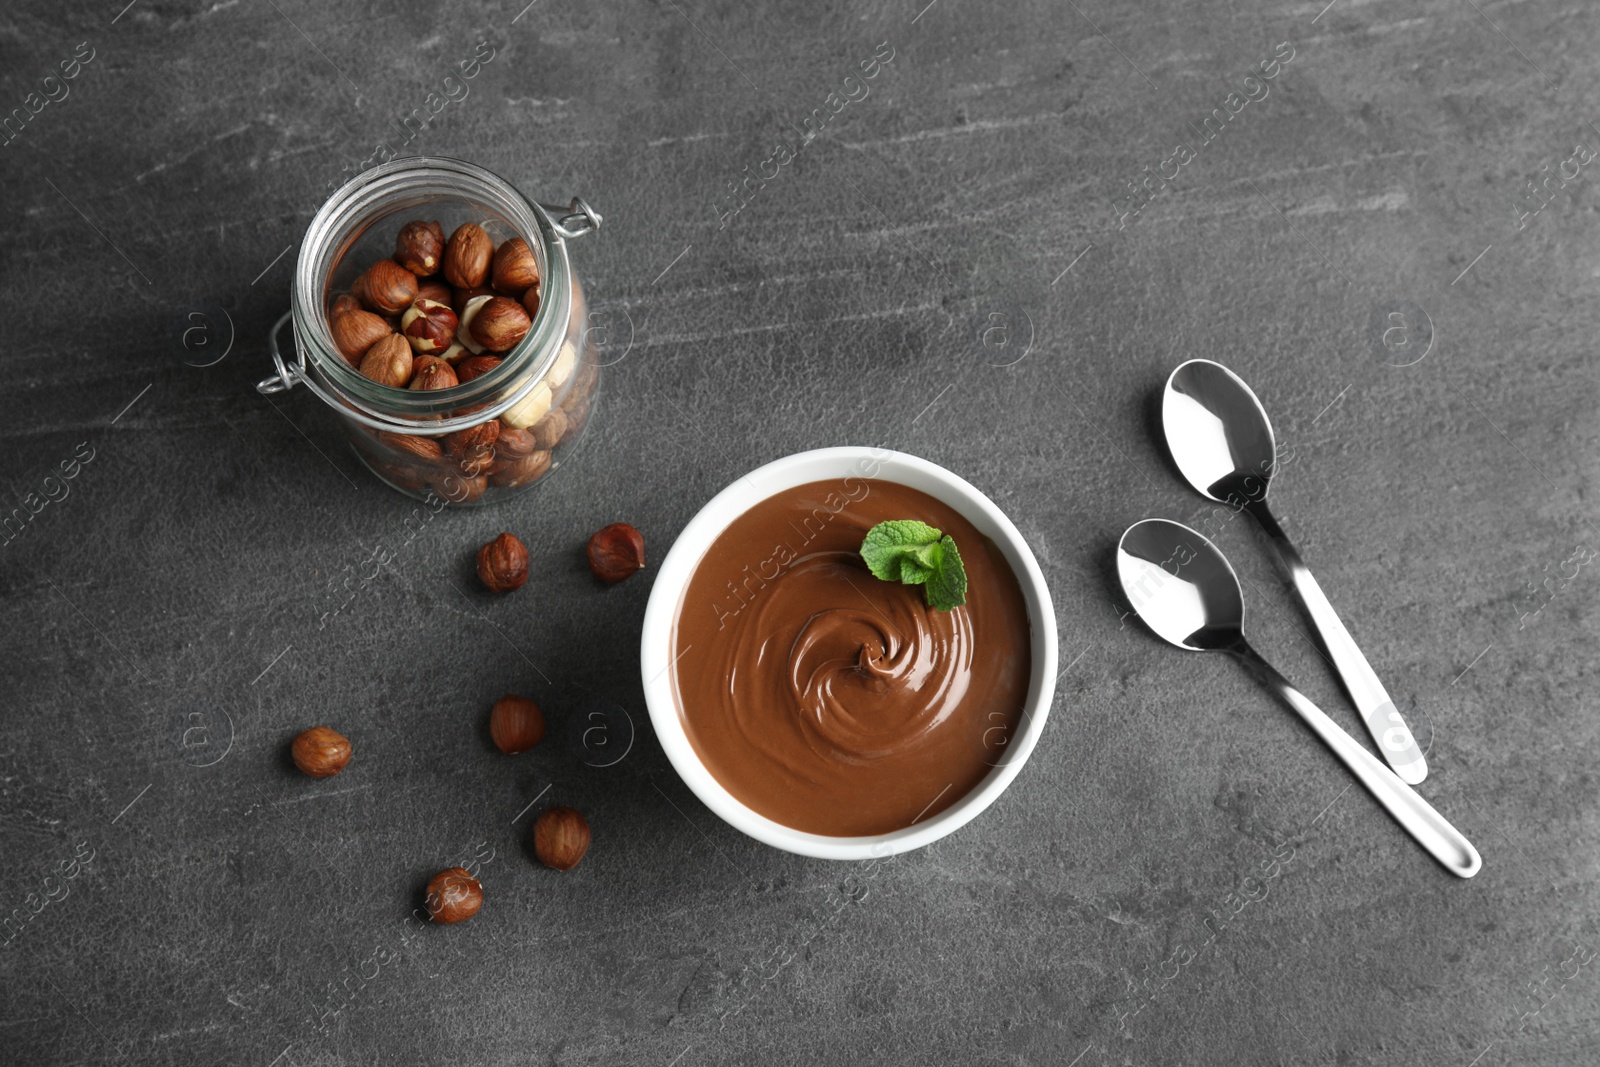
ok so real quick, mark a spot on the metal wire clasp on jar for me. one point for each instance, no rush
(487, 423)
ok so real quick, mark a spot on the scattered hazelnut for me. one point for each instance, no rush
(500, 324)
(467, 256)
(551, 429)
(517, 471)
(515, 271)
(474, 366)
(616, 552)
(468, 313)
(453, 896)
(321, 752)
(435, 290)
(386, 287)
(418, 247)
(560, 838)
(431, 372)
(429, 325)
(355, 331)
(503, 564)
(474, 440)
(412, 445)
(516, 724)
(388, 362)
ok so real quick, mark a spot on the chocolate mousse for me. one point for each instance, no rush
(833, 702)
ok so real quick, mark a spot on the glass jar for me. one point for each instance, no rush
(439, 443)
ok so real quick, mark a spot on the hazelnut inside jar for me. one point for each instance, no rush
(435, 310)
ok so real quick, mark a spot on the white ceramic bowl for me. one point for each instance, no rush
(656, 655)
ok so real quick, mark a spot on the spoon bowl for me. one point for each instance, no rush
(1218, 432)
(1180, 585)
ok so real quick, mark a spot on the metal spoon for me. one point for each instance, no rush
(1186, 592)
(1222, 443)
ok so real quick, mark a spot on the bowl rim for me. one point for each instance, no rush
(824, 464)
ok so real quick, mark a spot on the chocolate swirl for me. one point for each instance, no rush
(868, 681)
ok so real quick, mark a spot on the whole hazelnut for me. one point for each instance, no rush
(500, 324)
(469, 312)
(355, 331)
(342, 303)
(412, 446)
(402, 476)
(474, 464)
(616, 552)
(475, 366)
(503, 564)
(386, 287)
(582, 383)
(462, 488)
(516, 724)
(467, 256)
(530, 409)
(388, 362)
(453, 896)
(419, 246)
(460, 298)
(514, 442)
(431, 372)
(530, 302)
(576, 417)
(562, 368)
(514, 472)
(435, 290)
(429, 325)
(321, 752)
(551, 429)
(515, 271)
(474, 440)
(560, 838)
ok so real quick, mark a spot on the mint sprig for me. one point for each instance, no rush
(914, 553)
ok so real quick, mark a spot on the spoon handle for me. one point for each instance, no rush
(1388, 729)
(1419, 819)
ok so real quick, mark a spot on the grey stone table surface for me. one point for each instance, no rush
(989, 253)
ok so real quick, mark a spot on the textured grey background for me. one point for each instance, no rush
(239, 913)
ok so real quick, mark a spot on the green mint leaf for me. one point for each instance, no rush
(888, 543)
(947, 589)
(930, 555)
(913, 572)
(914, 553)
